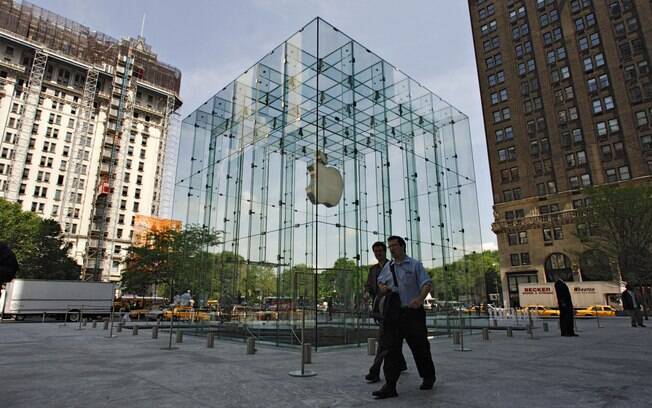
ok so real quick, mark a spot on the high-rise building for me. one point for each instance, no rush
(567, 100)
(85, 122)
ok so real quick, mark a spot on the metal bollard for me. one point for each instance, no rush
(94, 324)
(84, 321)
(530, 331)
(251, 345)
(106, 325)
(485, 333)
(371, 346)
(119, 327)
(179, 336)
(545, 327)
(43, 320)
(210, 340)
(134, 331)
(509, 332)
(307, 353)
(456, 337)
(495, 323)
(155, 332)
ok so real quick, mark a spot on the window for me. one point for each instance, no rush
(512, 239)
(623, 172)
(614, 125)
(609, 103)
(646, 142)
(515, 259)
(557, 233)
(547, 235)
(504, 175)
(522, 237)
(599, 60)
(581, 157)
(601, 129)
(585, 180)
(574, 182)
(525, 258)
(641, 118)
(607, 154)
(541, 189)
(570, 160)
(597, 106)
(514, 173)
(611, 175)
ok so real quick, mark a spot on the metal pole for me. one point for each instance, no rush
(81, 316)
(597, 316)
(111, 317)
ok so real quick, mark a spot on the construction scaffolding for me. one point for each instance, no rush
(72, 39)
(29, 116)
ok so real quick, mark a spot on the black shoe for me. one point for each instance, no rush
(404, 368)
(370, 378)
(642, 325)
(385, 392)
(428, 383)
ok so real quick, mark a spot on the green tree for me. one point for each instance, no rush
(38, 244)
(178, 259)
(618, 224)
(50, 260)
(466, 278)
(19, 230)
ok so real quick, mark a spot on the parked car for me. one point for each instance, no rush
(600, 310)
(541, 311)
(154, 314)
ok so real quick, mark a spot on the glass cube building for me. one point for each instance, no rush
(304, 161)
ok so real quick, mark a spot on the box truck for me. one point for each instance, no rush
(63, 299)
(583, 294)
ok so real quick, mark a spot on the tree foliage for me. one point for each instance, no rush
(38, 244)
(618, 224)
(471, 278)
(170, 257)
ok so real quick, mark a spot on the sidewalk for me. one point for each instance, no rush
(44, 365)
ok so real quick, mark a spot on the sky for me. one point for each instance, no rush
(212, 42)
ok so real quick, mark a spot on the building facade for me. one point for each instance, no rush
(567, 101)
(85, 122)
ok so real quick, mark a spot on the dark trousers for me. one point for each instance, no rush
(381, 354)
(635, 316)
(412, 327)
(566, 321)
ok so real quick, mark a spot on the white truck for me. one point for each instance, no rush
(583, 294)
(62, 299)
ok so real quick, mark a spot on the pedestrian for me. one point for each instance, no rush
(632, 305)
(407, 277)
(380, 252)
(566, 312)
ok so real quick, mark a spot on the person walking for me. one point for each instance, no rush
(380, 252)
(566, 312)
(407, 277)
(632, 305)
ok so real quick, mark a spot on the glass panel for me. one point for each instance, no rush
(303, 162)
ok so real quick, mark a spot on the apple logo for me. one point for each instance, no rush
(326, 183)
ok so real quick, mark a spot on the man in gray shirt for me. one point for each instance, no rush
(414, 284)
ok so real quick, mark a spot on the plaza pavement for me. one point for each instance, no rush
(46, 365)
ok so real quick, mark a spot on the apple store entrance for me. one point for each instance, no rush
(303, 162)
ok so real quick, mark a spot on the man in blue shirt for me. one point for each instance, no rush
(414, 284)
